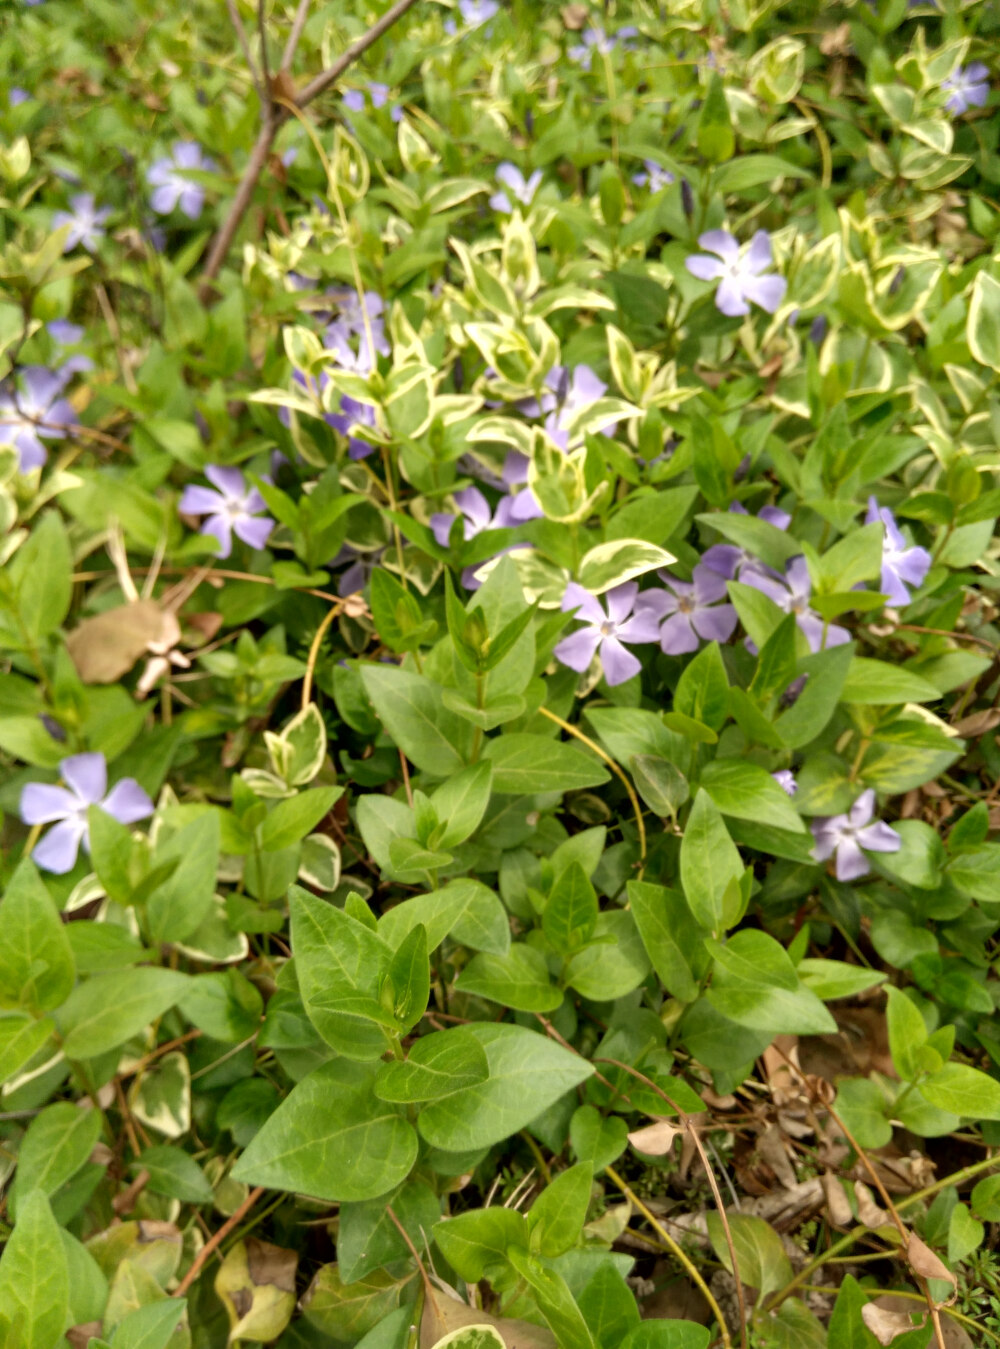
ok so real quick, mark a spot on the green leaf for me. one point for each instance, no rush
(528, 1072)
(57, 1143)
(40, 578)
(907, 1034)
(368, 1238)
(342, 1312)
(36, 962)
(753, 958)
(34, 1277)
(467, 909)
(832, 979)
(111, 852)
(437, 1065)
(983, 322)
(749, 792)
(519, 979)
(556, 1219)
(662, 786)
(715, 137)
(332, 1138)
(149, 1327)
(291, 820)
(772, 545)
(613, 964)
(224, 1004)
(964, 1091)
(847, 1328)
(710, 863)
(668, 1334)
(595, 1138)
(760, 1256)
(977, 873)
(479, 1240)
(340, 964)
(399, 620)
(866, 1111)
(460, 804)
(525, 764)
(672, 938)
(608, 1306)
(854, 558)
(408, 978)
(175, 1174)
(754, 171)
(109, 1009)
(177, 908)
(816, 704)
(570, 914)
(21, 1037)
(880, 684)
(555, 1301)
(702, 691)
(411, 709)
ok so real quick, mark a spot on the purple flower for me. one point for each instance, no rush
(595, 39)
(738, 274)
(350, 320)
(690, 612)
(354, 99)
(901, 566)
(476, 516)
(477, 12)
(85, 222)
(606, 632)
(845, 836)
(792, 593)
(16, 95)
(353, 413)
(65, 333)
(173, 188)
(358, 574)
(33, 409)
(565, 397)
(785, 779)
(967, 88)
(523, 505)
(337, 339)
(654, 176)
(86, 778)
(233, 509)
(731, 561)
(521, 188)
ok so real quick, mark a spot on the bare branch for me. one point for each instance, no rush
(272, 119)
(262, 90)
(262, 32)
(333, 73)
(291, 46)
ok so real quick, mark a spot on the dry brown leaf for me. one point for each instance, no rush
(978, 723)
(80, 1336)
(655, 1140)
(105, 647)
(271, 1264)
(924, 1262)
(783, 1078)
(837, 41)
(772, 1148)
(443, 1314)
(886, 1324)
(838, 1206)
(868, 1211)
(574, 16)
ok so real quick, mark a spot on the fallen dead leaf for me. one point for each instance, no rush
(886, 1324)
(443, 1314)
(655, 1140)
(837, 41)
(838, 1206)
(868, 1211)
(80, 1336)
(105, 647)
(978, 723)
(924, 1262)
(574, 16)
(772, 1148)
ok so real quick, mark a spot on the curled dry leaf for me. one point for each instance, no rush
(886, 1324)
(772, 1148)
(574, 16)
(105, 647)
(656, 1139)
(837, 1204)
(868, 1211)
(924, 1262)
(443, 1314)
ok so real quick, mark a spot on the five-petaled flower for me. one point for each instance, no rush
(234, 509)
(967, 88)
(785, 779)
(476, 516)
(844, 836)
(792, 593)
(739, 274)
(607, 632)
(728, 559)
(86, 778)
(654, 176)
(565, 396)
(690, 612)
(901, 565)
(521, 188)
(31, 410)
(477, 12)
(85, 220)
(169, 177)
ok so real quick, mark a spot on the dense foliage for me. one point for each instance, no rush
(500, 658)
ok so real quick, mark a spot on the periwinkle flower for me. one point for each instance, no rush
(172, 186)
(523, 505)
(353, 413)
(607, 633)
(901, 565)
(690, 612)
(32, 409)
(844, 837)
(66, 334)
(234, 508)
(337, 339)
(85, 221)
(967, 88)
(595, 39)
(654, 176)
(728, 559)
(785, 779)
(521, 188)
(378, 94)
(566, 395)
(477, 12)
(739, 274)
(792, 593)
(476, 516)
(16, 96)
(86, 778)
(351, 321)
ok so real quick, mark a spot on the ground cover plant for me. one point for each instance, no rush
(500, 665)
